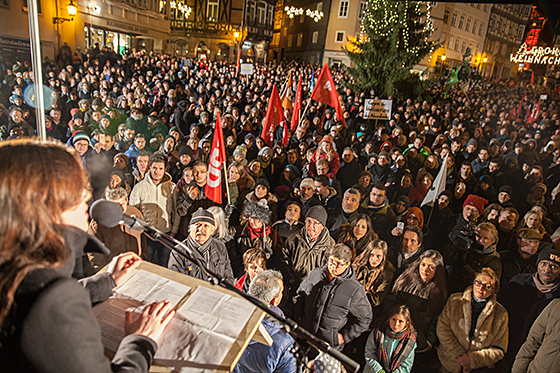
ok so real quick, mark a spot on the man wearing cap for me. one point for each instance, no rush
(521, 258)
(155, 197)
(308, 248)
(473, 207)
(185, 160)
(211, 253)
(526, 295)
(307, 195)
(469, 154)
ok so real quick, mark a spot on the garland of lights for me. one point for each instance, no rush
(185, 9)
(292, 11)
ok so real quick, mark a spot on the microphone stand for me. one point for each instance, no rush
(303, 340)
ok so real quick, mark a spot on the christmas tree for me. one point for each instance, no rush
(394, 38)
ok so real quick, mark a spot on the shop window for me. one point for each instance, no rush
(343, 9)
(24, 4)
(212, 11)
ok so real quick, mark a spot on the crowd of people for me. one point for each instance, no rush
(327, 226)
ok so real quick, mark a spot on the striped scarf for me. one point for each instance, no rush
(403, 349)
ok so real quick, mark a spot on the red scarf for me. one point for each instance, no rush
(256, 233)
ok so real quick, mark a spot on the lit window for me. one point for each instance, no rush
(339, 37)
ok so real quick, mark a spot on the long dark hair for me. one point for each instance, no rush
(347, 235)
(38, 182)
(362, 261)
(434, 291)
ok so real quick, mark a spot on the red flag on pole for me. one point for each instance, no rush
(274, 117)
(532, 77)
(521, 105)
(213, 188)
(238, 66)
(297, 107)
(534, 114)
(286, 103)
(325, 92)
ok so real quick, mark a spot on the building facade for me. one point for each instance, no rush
(119, 25)
(217, 29)
(504, 37)
(316, 31)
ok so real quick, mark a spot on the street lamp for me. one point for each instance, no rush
(443, 57)
(72, 11)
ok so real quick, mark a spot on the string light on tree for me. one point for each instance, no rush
(397, 37)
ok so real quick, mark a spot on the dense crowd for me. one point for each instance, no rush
(337, 208)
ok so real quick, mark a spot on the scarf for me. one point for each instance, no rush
(256, 233)
(381, 209)
(403, 349)
(542, 287)
(203, 250)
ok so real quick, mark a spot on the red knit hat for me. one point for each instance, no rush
(476, 201)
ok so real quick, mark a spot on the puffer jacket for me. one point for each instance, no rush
(157, 203)
(490, 340)
(298, 258)
(541, 351)
(327, 308)
(277, 358)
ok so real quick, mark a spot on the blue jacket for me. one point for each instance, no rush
(261, 358)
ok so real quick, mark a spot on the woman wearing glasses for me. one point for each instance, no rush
(473, 327)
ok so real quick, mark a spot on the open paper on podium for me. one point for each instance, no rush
(203, 331)
(197, 338)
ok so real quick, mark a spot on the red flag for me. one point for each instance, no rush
(532, 77)
(213, 188)
(238, 66)
(297, 107)
(512, 114)
(325, 92)
(534, 114)
(286, 103)
(521, 105)
(274, 117)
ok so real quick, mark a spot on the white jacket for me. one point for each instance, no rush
(157, 203)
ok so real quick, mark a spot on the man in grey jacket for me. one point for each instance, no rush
(211, 253)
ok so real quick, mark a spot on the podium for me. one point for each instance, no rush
(209, 320)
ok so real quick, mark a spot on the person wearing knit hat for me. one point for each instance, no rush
(475, 202)
(210, 252)
(265, 150)
(317, 213)
(533, 287)
(240, 153)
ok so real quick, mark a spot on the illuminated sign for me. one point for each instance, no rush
(536, 55)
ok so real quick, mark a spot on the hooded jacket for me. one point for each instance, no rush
(327, 308)
(489, 342)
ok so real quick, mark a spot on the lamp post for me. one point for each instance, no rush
(237, 35)
(72, 11)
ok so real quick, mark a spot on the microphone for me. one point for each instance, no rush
(110, 214)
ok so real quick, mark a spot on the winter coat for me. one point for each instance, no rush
(271, 244)
(541, 351)
(524, 303)
(51, 327)
(327, 308)
(298, 258)
(490, 340)
(157, 203)
(271, 201)
(215, 258)
(261, 358)
(376, 295)
(332, 204)
(383, 219)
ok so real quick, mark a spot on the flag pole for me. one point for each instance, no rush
(227, 184)
(305, 111)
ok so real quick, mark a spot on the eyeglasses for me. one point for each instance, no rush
(486, 287)
(336, 264)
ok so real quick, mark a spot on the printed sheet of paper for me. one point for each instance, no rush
(148, 288)
(203, 331)
(141, 289)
